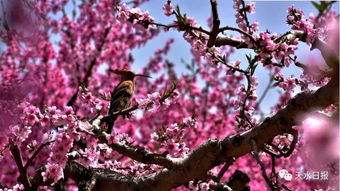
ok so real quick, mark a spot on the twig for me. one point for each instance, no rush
(2, 150)
(224, 169)
(216, 24)
(221, 59)
(249, 72)
(238, 30)
(273, 167)
(245, 14)
(118, 113)
(281, 153)
(200, 29)
(288, 37)
(285, 187)
(35, 154)
(294, 133)
(263, 168)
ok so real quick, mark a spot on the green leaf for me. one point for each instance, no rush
(253, 69)
(178, 13)
(178, 10)
(83, 87)
(317, 6)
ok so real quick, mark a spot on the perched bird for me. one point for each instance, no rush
(121, 95)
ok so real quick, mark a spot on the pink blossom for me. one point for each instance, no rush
(251, 8)
(255, 26)
(296, 19)
(18, 187)
(167, 8)
(151, 102)
(321, 135)
(53, 171)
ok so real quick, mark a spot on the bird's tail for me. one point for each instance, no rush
(110, 123)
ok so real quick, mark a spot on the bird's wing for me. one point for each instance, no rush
(121, 96)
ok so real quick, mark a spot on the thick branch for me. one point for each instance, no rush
(222, 40)
(214, 152)
(23, 177)
(283, 120)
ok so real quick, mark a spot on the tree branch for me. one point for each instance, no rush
(35, 154)
(222, 40)
(23, 177)
(141, 154)
(224, 169)
(263, 168)
(239, 31)
(118, 113)
(216, 24)
(237, 182)
(289, 36)
(215, 152)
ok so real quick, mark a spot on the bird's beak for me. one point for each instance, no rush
(142, 75)
(114, 71)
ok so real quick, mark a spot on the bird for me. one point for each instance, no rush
(121, 95)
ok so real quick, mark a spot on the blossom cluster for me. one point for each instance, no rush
(203, 186)
(245, 104)
(140, 19)
(241, 19)
(91, 101)
(155, 100)
(171, 137)
(150, 103)
(273, 52)
(296, 19)
(167, 8)
(16, 187)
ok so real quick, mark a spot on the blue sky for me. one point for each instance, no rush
(270, 14)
